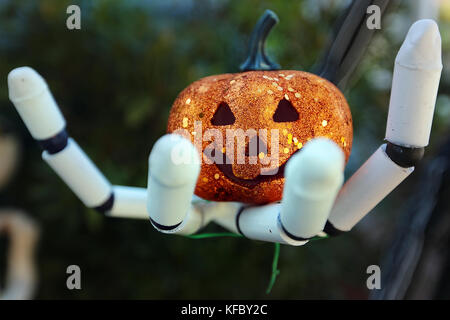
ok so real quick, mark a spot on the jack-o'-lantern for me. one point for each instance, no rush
(278, 111)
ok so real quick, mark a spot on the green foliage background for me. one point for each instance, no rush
(115, 80)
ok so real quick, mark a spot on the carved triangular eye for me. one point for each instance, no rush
(285, 112)
(223, 116)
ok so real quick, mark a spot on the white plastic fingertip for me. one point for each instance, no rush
(34, 102)
(174, 161)
(421, 48)
(415, 85)
(174, 166)
(25, 83)
(313, 179)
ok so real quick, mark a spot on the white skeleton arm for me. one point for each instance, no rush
(313, 200)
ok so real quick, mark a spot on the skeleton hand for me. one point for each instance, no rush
(313, 201)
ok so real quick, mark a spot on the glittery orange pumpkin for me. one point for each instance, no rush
(298, 105)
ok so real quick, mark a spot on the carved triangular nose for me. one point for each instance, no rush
(255, 146)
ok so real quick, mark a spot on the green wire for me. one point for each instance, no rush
(275, 271)
(319, 238)
(276, 255)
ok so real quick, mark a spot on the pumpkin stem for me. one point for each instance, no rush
(257, 59)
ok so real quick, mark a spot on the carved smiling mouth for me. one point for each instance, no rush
(227, 169)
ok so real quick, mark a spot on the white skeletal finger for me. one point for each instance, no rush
(80, 174)
(34, 102)
(129, 202)
(415, 85)
(376, 178)
(313, 179)
(174, 166)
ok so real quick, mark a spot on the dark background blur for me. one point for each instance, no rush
(115, 81)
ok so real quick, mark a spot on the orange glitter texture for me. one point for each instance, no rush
(253, 98)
